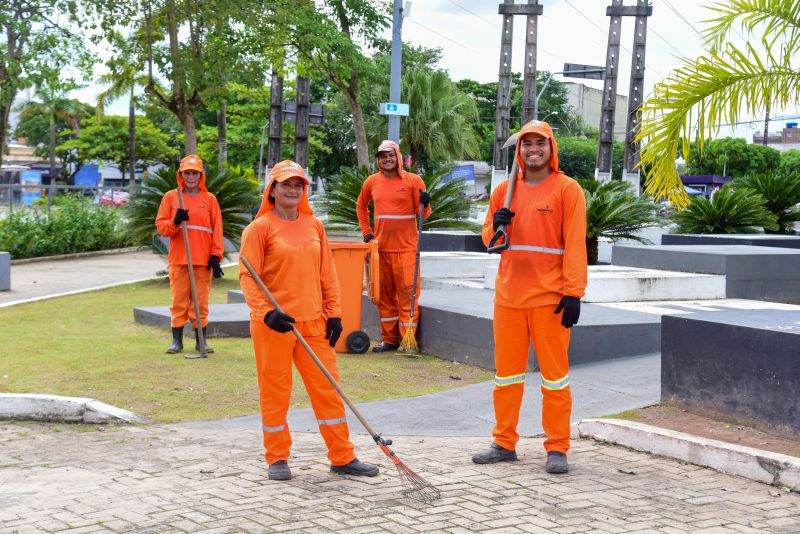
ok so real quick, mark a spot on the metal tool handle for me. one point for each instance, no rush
(201, 338)
(501, 231)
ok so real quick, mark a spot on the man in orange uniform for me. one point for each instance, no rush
(397, 196)
(287, 246)
(540, 281)
(204, 224)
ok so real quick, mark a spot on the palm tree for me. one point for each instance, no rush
(449, 207)
(709, 91)
(123, 79)
(730, 211)
(236, 191)
(782, 194)
(613, 212)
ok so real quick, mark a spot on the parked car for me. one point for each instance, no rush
(114, 198)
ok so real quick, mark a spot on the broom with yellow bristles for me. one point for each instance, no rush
(408, 345)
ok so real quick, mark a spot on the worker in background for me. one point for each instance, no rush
(396, 195)
(540, 281)
(204, 225)
(287, 246)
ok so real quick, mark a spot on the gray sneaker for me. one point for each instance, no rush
(556, 463)
(279, 471)
(495, 453)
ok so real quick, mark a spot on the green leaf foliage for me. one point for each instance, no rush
(730, 211)
(449, 207)
(781, 191)
(733, 157)
(72, 225)
(236, 192)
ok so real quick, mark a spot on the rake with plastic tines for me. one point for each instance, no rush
(414, 487)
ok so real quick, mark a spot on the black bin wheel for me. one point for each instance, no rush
(357, 342)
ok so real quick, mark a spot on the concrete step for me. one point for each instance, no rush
(456, 264)
(613, 283)
(224, 320)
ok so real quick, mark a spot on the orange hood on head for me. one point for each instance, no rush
(383, 147)
(280, 173)
(192, 162)
(543, 129)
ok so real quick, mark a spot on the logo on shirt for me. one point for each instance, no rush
(545, 210)
(401, 190)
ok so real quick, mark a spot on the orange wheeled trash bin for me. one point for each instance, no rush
(352, 260)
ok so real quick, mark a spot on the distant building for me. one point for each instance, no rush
(586, 101)
(784, 140)
(707, 184)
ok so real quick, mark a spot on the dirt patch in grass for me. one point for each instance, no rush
(675, 418)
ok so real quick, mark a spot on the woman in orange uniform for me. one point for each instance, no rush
(397, 196)
(288, 248)
(540, 281)
(204, 224)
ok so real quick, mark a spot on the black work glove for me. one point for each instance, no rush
(333, 329)
(368, 238)
(213, 263)
(180, 216)
(502, 217)
(572, 311)
(279, 321)
(424, 198)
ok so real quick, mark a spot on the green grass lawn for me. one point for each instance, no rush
(88, 345)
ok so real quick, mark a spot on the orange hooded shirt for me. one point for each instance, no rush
(293, 258)
(205, 220)
(547, 255)
(396, 202)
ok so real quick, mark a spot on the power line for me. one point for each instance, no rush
(442, 35)
(650, 29)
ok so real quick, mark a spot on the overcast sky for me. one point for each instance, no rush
(572, 31)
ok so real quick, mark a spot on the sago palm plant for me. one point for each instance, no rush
(613, 212)
(782, 194)
(704, 93)
(730, 211)
(236, 191)
(449, 207)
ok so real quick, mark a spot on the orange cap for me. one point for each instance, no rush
(192, 162)
(287, 169)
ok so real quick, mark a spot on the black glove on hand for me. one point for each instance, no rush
(180, 216)
(279, 321)
(424, 198)
(213, 263)
(333, 329)
(572, 311)
(502, 217)
(368, 238)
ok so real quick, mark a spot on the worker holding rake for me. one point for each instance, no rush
(540, 281)
(287, 248)
(203, 221)
(399, 198)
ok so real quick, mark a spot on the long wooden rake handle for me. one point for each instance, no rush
(416, 265)
(501, 230)
(199, 329)
(378, 439)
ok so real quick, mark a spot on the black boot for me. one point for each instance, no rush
(177, 340)
(209, 350)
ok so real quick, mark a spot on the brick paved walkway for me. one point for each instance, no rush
(170, 478)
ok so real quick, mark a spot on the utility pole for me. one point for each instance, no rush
(529, 98)
(275, 120)
(605, 148)
(396, 68)
(301, 122)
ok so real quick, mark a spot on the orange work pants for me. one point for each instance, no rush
(514, 329)
(182, 308)
(274, 356)
(394, 305)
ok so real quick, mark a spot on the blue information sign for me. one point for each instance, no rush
(466, 172)
(30, 178)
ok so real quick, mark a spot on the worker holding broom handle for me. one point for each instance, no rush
(397, 196)
(540, 281)
(204, 227)
(288, 248)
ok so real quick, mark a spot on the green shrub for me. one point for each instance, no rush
(730, 211)
(76, 225)
(781, 190)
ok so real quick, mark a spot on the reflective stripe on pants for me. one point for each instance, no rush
(394, 306)
(182, 309)
(514, 330)
(274, 356)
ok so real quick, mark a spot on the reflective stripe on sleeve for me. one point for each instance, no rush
(273, 428)
(531, 248)
(501, 381)
(555, 384)
(332, 421)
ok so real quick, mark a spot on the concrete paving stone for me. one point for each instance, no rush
(504, 530)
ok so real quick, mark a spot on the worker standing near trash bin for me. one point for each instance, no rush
(540, 281)
(396, 196)
(288, 247)
(204, 225)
